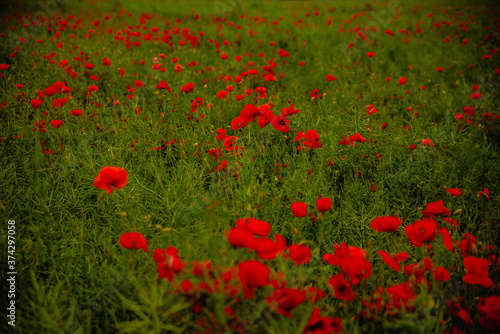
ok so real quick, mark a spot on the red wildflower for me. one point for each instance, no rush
(421, 232)
(490, 309)
(285, 300)
(370, 54)
(76, 112)
(455, 192)
(56, 123)
(435, 209)
(389, 260)
(441, 274)
(477, 271)
(312, 139)
(164, 85)
(447, 241)
(356, 269)
(427, 142)
(229, 142)
(187, 88)
(222, 94)
(280, 122)
(299, 253)
(111, 176)
(134, 240)
(341, 288)
(323, 204)
(36, 103)
(315, 94)
(253, 274)
(221, 134)
(322, 325)
(485, 192)
(268, 249)
(402, 81)
(385, 224)
(330, 77)
(299, 209)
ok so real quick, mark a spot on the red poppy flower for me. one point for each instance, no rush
(370, 54)
(285, 112)
(239, 123)
(267, 249)
(106, 62)
(435, 209)
(315, 94)
(280, 122)
(187, 88)
(36, 103)
(447, 241)
(168, 261)
(385, 224)
(323, 204)
(221, 134)
(427, 142)
(322, 325)
(229, 142)
(356, 138)
(312, 139)
(341, 288)
(222, 94)
(490, 310)
(402, 81)
(299, 209)
(391, 261)
(134, 240)
(258, 227)
(111, 176)
(343, 253)
(56, 123)
(455, 192)
(400, 294)
(240, 237)
(357, 268)
(253, 274)
(285, 300)
(485, 192)
(300, 253)
(441, 274)
(330, 77)
(421, 232)
(477, 271)
(76, 112)
(440, 69)
(164, 85)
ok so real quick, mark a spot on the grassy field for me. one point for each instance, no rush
(250, 167)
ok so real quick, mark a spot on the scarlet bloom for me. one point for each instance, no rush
(385, 224)
(402, 81)
(111, 176)
(134, 240)
(253, 274)
(447, 241)
(356, 138)
(285, 300)
(312, 139)
(56, 123)
(187, 88)
(330, 77)
(393, 262)
(221, 134)
(229, 142)
(300, 253)
(421, 232)
(222, 94)
(477, 271)
(76, 112)
(441, 274)
(163, 85)
(299, 209)
(323, 204)
(356, 269)
(106, 62)
(267, 249)
(427, 142)
(341, 288)
(315, 94)
(36, 103)
(490, 309)
(168, 261)
(322, 325)
(440, 69)
(370, 54)
(280, 123)
(455, 192)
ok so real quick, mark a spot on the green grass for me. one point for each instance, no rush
(73, 275)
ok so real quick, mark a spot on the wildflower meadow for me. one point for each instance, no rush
(240, 166)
